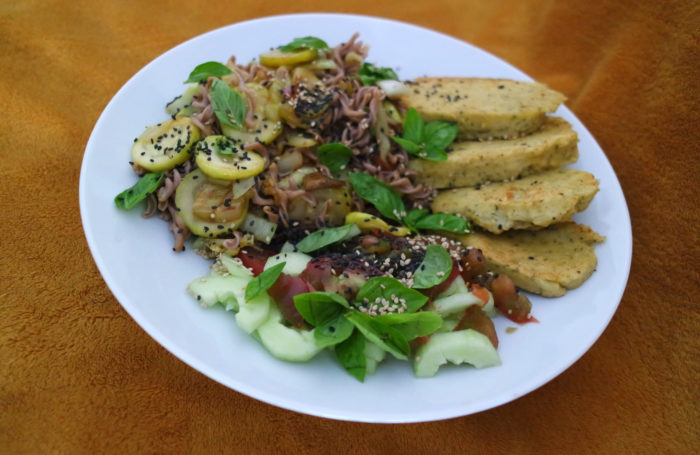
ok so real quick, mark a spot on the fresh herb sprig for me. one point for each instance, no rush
(334, 155)
(146, 185)
(338, 323)
(205, 70)
(264, 281)
(229, 106)
(303, 43)
(389, 203)
(426, 140)
(370, 74)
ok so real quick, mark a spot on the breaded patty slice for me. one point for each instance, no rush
(531, 202)
(547, 262)
(472, 163)
(483, 108)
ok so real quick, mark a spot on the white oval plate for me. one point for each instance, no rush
(136, 259)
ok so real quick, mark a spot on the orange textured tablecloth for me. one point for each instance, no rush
(78, 375)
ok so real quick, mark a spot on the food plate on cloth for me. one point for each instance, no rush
(135, 255)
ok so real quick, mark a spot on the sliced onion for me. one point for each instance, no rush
(393, 88)
(240, 187)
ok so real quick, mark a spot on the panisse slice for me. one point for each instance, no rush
(546, 262)
(472, 163)
(483, 108)
(531, 202)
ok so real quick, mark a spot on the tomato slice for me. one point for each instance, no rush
(254, 259)
(513, 305)
(283, 292)
(475, 318)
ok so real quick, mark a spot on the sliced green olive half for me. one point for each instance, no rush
(220, 157)
(207, 206)
(276, 57)
(266, 114)
(165, 145)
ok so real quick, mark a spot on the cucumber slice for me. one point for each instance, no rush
(253, 313)
(219, 157)
(165, 145)
(455, 299)
(295, 262)
(373, 356)
(284, 342)
(196, 195)
(216, 288)
(463, 346)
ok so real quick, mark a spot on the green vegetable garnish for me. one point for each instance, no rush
(392, 291)
(370, 74)
(440, 222)
(324, 237)
(305, 42)
(383, 335)
(324, 311)
(435, 268)
(351, 355)
(147, 184)
(318, 307)
(334, 155)
(384, 198)
(333, 331)
(264, 281)
(412, 325)
(427, 141)
(203, 71)
(229, 106)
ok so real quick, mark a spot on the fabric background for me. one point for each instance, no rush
(78, 375)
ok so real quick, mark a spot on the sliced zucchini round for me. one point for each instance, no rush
(277, 57)
(165, 145)
(220, 157)
(207, 206)
(266, 114)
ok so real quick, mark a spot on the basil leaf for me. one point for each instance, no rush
(370, 74)
(440, 134)
(432, 153)
(324, 237)
(385, 290)
(410, 147)
(334, 155)
(384, 198)
(333, 331)
(264, 281)
(435, 268)
(412, 325)
(203, 71)
(413, 216)
(305, 42)
(318, 307)
(229, 106)
(384, 336)
(413, 126)
(443, 222)
(351, 355)
(147, 184)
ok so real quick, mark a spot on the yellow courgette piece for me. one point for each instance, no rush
(220, 157)
(207, 207)
(368, 223)
(165, 145)
(276, 57)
